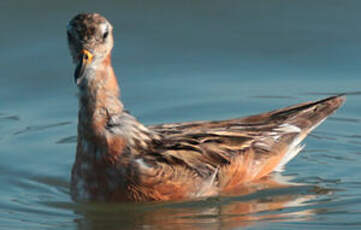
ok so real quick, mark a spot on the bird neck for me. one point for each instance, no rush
(99, 96)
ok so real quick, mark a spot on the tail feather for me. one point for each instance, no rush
(290, 154)
(308, 115)
(305, 118)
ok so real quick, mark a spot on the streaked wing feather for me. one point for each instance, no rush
(204, 146)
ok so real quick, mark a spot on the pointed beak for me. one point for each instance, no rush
(85, 59)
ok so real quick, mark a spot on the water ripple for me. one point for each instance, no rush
(345, 119)
(9, 117)
(41, 127)
(67, 140)
(333, 93)
(318, 180)
(277, 202)
(274, 97)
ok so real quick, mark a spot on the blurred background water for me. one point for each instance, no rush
(182, 61)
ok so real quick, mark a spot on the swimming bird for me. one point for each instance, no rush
(120, 159)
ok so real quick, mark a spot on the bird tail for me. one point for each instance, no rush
(303, 118)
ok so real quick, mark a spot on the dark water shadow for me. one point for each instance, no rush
(67, 140)
(357, 93)
(354, 139)
(57, 183)
(345, 119)
(322, 137)
(33, 128)
(4, 117)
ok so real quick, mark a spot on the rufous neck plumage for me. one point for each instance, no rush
(99, 95)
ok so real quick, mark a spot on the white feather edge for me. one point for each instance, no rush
(295, 147)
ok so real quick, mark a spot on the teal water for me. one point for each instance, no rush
(182, 61)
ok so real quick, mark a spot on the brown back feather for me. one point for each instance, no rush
(244, 148)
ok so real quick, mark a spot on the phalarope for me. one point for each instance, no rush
(118, 158)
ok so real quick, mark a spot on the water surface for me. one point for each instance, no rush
(182, 61)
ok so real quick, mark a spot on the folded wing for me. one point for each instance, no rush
(224, 154)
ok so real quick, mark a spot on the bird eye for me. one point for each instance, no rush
(105, 35)
(69, 35)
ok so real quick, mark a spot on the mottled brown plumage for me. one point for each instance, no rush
(118, 158)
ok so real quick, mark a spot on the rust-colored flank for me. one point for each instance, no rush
(119, 159)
